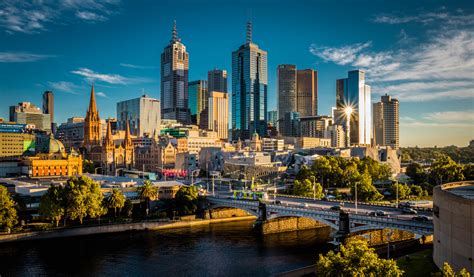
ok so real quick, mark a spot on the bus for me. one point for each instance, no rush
(250, 195)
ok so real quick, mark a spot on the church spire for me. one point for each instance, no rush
(92, 105)
(128, 137)
(109, 141)
(174, 33)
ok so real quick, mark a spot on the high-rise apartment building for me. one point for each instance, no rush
(249, 89)
(174, 80)
(28, 113)
(297, 92)
(143, 114)
(217, 80)
(218, 114)
(198, 99)
(48, 104)
(353, 92)
(386, 122)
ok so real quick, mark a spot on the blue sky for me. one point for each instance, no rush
(418, 51)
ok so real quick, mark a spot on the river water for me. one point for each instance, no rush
(227, 249)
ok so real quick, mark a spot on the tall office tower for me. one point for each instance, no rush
(28, 113)
(217, 80)
(297, 91)
(92, 124)
(272, 118)
(353, 92)
(249, 90)
(386, 122)
(48, 104)
(287, 103)
(307, 92)
(198, 99)
(218, 114)
(174, 80)
(143, 115)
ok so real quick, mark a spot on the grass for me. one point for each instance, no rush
(418, 264)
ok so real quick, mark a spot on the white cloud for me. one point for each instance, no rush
(458, 18)
(108, 78)
(64, 87)
(101, 94)
(450, 116)
(21, 57)
(31, 17)
(90, 16)
(339, 55)
(137, 66)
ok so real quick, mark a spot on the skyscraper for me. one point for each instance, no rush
(142, 114)
(287, 103)
(217, 80)
(386, 122)
(198, 99)
(48, 104)
(249, 89)
(174, 80)
(353, 92)
(218, 115)
(297, 92)
(307, 92)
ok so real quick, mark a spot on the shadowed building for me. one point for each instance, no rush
(198, 94)
(249, 90)
(386, 124)
(217, 80)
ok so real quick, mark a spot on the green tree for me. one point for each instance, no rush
(416, 172)
(417, 191)
(8, 213)
(303, 188)
(444, 170)
(404, 191)
(356, 259)
(377, 171)
(468, 171)
(88, 166)
(51, 204)
(186, 200)
(448, 271)
(366, 191)
(147, 192)
(83, 197)
(304, 173)
(116, 200)
(128, 208)
(322, 169)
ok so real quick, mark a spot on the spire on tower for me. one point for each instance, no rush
(128, 137)
(174, 33)
(92, 104)
(109, 141)
(249, 31)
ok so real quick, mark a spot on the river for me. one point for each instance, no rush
(227, 249)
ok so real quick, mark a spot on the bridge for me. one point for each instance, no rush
(344, 222)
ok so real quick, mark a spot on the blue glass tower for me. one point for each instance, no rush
(249, 90)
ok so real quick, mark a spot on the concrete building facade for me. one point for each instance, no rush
(218, 114)
(143, 115)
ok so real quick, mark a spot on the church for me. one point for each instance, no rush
(112, 152)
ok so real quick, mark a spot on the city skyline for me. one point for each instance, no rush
(433, 85)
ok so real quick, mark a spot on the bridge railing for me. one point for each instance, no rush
(349, 201)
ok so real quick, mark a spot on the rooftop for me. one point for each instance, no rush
(464, 191)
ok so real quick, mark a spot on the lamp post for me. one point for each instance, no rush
(192, 176)
(314, 187)
(355, 196)
(348, 111)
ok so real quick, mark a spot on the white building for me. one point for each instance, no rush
(143, 114)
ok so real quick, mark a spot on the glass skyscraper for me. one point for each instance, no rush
(198, 98)
(354, 92)
(249, 90)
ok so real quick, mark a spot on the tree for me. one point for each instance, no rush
(355, 259)
(186, 200)
(147, 192)
(417, 191)
(448, 271)
(468, 171)
(366, 191)
(51, 204)
(322, 168)
(416, 172)
(302, 188)
(404, 191)
(8, 214)
(116, 200)
(377, 171)
(304, 173)
(83, 198)
(128, 208)
(444, 170)
(88, 166)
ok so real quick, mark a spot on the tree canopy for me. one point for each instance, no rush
(8, 213)
(51, 204)
(186, 200)
(355, 259)
(115, 200)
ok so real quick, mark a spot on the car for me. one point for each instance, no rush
(421, 218)
(336, 208)
(305, 205)
(378, 213)
(328, 197)
(407, 210)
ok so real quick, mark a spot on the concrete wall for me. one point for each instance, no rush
(453, 228)
(287, 224)
(224, 213)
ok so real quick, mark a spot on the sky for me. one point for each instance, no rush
(421, 52)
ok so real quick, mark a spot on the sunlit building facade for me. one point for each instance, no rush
(198, 95)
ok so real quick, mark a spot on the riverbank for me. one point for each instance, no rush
(116, 228)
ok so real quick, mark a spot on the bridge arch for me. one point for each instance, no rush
(318, 219)
(253, 212)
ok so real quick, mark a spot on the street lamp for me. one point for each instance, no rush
(348, 111)
(314, 187)
(355, 196)
(192, 176)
